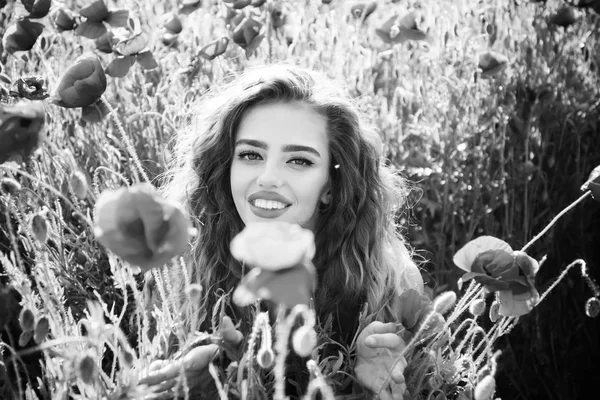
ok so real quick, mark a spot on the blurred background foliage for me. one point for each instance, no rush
(489, 107)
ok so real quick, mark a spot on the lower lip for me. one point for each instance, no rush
(261, 212)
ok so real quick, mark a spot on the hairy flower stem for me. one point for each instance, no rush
(126, 139)
(563, 212)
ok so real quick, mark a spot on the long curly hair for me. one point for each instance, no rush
(361, 258)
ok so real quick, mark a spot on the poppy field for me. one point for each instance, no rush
(489, 108)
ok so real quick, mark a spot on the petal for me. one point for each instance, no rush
(465, 256)
(512, 305)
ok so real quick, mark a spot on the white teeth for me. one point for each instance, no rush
(269, 204)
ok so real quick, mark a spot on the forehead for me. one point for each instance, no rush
(284, 123)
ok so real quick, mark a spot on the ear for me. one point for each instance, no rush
(326, 196)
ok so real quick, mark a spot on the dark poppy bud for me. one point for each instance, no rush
(63, 19)
(592, 307)
(22, 35)
(82, 84)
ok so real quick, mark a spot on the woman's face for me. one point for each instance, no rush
(280, 168)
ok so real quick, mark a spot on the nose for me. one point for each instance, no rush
(270, 176)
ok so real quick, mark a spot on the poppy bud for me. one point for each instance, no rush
(39, 228)
(494, 311)
(265, 357)
(78, 184)
(37, 8)
(127, 358)
(22, 35)
(477, 307)
(86, 369)
(82, 84)
(444, 302)
(63, 19)
(592, 307)
(257, 3)
(27, 320)
(9, 186)
(194, 292)
(25, 337)
(41, 330)
(304, 340)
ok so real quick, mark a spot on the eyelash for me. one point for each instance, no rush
(244, 156)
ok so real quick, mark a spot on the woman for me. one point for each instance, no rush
(281, 143)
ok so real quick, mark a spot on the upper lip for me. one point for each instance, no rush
(268, 196)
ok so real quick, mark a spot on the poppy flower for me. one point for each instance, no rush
(82, 84)
(492, 63)
(565, 17)
(141, 227)
(94, 112)
(96, 14)
(22, 35)
(248, 34)
(37, 8)
(273, 245)
(63, 19)
(399, 30)
(30, 88)
(129, 51)
(20, 128)
(281, 254)
(492, 263)
(214, 49)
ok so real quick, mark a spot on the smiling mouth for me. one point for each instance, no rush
(268, 204)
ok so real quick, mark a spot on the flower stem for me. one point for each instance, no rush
(126, 139)
(563, 212)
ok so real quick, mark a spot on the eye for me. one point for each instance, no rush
(303, 162)
(249, 156)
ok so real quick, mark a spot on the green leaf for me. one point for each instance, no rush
(119, 67)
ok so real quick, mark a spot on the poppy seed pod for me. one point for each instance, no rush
(22, 35)
(141, 227)
(82, 84)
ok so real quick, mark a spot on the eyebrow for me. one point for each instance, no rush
(287, 148)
